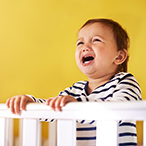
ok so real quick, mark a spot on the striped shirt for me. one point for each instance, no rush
(121, 87)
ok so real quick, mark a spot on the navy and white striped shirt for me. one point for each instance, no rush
(121, 87)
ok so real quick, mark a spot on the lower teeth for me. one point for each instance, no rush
(86, 61)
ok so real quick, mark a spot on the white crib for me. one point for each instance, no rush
(106, 114)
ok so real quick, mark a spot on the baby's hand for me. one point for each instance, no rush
(18, 103)
(56, 103)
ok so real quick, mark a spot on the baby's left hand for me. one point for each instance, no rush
(56, 103)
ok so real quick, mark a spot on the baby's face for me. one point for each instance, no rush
(96, 50)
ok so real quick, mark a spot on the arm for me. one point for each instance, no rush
(127, 89)
(120, 88)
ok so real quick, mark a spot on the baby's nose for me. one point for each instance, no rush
(86, 49)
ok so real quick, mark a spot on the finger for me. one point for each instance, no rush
(17, 105)
(12, 105)
(63, 101)
(52, 103)
(57, 103)
(23, 102)
(48, 101)
(8, 103)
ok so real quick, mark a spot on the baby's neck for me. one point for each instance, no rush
(94, 83)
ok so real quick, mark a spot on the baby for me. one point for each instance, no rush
(102, 55)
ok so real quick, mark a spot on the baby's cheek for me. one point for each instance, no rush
(77, 57)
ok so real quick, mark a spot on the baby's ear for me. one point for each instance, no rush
(121, 57)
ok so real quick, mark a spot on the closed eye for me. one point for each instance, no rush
(96, 40)
(79, 43)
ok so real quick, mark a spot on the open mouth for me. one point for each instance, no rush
(87, 59)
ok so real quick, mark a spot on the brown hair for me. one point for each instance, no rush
(121, 37)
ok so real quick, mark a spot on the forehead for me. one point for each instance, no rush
(96, 28)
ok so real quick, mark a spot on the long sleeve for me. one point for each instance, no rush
(36, 100)
(122, 87)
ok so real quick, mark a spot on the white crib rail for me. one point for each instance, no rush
(105, 113)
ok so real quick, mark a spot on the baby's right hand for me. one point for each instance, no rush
(18, 103)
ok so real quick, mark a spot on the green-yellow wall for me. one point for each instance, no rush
(37, 42)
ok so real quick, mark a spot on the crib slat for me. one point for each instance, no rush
(10, 131)
(31, 132)
(20, 132)
(3, 132)
(66, 133)
(52, 133)
(107, 133)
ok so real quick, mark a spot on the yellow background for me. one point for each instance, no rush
(37, 42)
